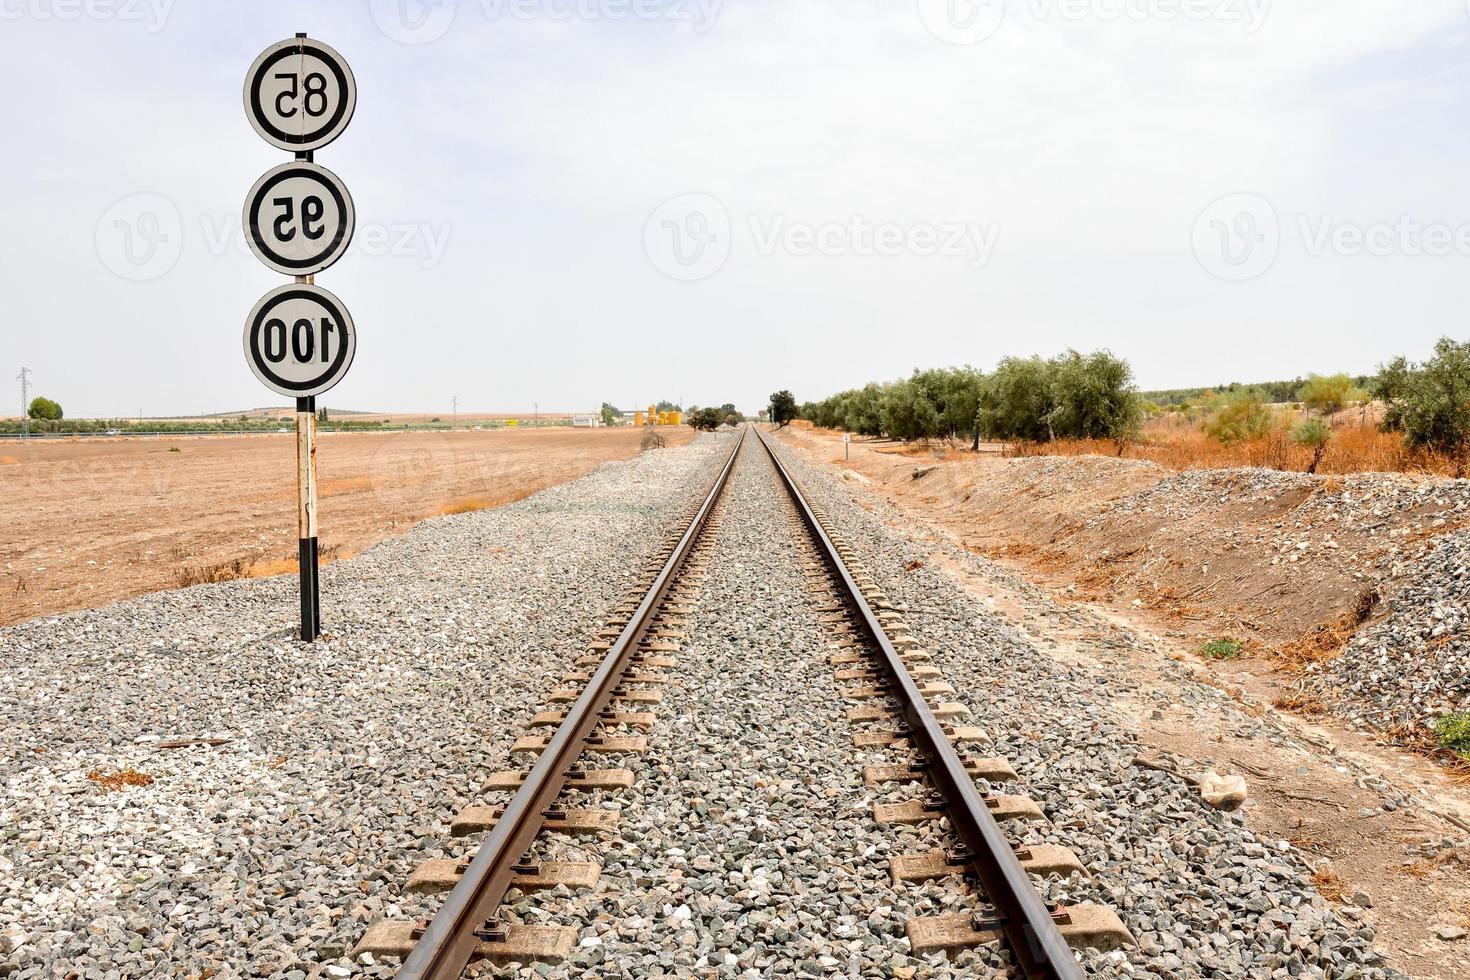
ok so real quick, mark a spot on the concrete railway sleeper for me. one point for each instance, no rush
(607, 704)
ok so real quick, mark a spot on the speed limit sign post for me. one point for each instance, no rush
(299, 218)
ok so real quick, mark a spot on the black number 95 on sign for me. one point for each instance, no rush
(300, 340)
(299, 218)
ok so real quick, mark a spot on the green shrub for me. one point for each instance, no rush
(1436, 404)
(1453, 733)
(705, 419)
(1239, 415)
(1222, 649)
(1391, 386)
(1331, 394)
(1314, 434)
(1095, 397)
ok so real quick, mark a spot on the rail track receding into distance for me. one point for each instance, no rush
(872, 650)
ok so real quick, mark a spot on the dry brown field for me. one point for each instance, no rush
(90, 521)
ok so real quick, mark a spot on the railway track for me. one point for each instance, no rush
(897, 710)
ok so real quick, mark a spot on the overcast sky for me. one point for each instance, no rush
(572, 201)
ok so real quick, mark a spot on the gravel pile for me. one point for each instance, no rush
(1384, 545)
(1200, 892)
(1413, 665)
(1295, 517)
(269, 854)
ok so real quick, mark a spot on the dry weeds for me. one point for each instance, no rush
(1420, 740)
(1330, 885)
(1324, 643)
(120, 780)
(1307, 705)
(465, 505)
(1424, 867)
(1354, 449)
(1314, 845)
(208, 573)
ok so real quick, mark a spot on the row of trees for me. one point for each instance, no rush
(1082, 396)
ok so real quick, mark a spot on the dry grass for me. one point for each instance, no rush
(1420, 740)
(1307, 705)
(1330, 886)
(1424, 867)
(120, 780)
(464, 505)
(1177, 445)
(268, 569)
(1324, 642)
(208, 573)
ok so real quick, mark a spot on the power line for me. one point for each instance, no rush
(25, 402)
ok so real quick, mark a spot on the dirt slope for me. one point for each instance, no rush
(1282, 560)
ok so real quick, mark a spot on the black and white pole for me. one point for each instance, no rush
(300, 339)
(309, 553)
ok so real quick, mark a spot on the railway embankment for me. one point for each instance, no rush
(1361, 583)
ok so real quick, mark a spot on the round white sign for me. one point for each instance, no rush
(299, 340)
(299, 218)
(300, 94)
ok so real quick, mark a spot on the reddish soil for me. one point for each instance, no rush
(93, 521)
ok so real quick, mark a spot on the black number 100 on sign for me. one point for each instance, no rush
(303, 334)
(299, 340)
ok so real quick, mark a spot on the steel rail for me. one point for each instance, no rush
(449, 942)
(1027, 923)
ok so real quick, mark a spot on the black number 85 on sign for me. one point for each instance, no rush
(300, 94)
(300, 340)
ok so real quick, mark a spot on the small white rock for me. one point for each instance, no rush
(1222, 792)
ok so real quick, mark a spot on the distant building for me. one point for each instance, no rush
(587, 421)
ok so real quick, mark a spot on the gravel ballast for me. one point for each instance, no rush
(746, 848)
(271, 853)
(1200, 892)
